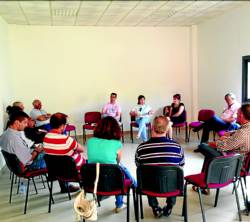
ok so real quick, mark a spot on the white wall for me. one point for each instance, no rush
(222, 42)
(5, 88)
(74, 69)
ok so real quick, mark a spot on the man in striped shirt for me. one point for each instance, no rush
(56, 143)
(160, 150)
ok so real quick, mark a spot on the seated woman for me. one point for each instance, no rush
(177, 114)
(105, 148)
(142, 113)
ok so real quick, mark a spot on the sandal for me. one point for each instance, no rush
(203, 191)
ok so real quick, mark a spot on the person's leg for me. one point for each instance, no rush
(153, 203)
(119, 201)
(167, 210)
(38, 163)
(128, 175)
(208, 151)
(142, 133)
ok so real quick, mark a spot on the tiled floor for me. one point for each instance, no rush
(62, 210)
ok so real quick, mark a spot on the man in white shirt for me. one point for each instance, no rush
(112, 108)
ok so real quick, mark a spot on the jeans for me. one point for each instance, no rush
(119, 198)
(216, 124)
(142, 128)
(153, 202)
(38, 163)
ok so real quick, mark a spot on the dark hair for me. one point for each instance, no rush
(113, 94)
(58, 119)
(245, 109)
(19, 116)
(12, 109)
(140, 97)
(108, 128)
(177, 96)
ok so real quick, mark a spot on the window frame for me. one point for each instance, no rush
(245, 76)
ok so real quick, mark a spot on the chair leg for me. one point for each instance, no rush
(137, 207)
(141, 207)
(27, 196)
(75, 135)
(245, 181)
(11, 187)
(189, 133)
(198, 135)
(186, 133)
(237, 201)
(43, 182)
(34, 184)
(50, 195)
(128, 205)
(83, 136)
(18, 186)
(131, 134)
(201, 204)
(122, 133)
(67, 185)
(244, 195)
(216, 197)
(184, 207)
(134, 200)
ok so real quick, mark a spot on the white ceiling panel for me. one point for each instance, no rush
(113, 13)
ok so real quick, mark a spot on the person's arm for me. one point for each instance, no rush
(104, 110)
(170, 111)
(35, 152)
(180, 111)
(80, 148)
(119, 155)
(43, 117)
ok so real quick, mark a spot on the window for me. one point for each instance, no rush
(246, 79)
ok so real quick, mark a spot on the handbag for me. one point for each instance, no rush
(84, 208)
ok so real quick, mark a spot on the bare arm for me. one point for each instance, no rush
(79, 148)
(119, 155)
(181, 109)
(43, 117)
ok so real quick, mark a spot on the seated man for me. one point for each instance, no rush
(40, 116)
(112, 108)
(160, 150)
(237, 142)
(12, 141)
(56, 143)
(227, 120)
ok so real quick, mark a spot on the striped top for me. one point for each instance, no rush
(159, 150)
(60, 144)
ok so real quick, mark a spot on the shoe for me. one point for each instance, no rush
(197, 150)
(167, 210)
(72, 189)
(157, 211)
(119, 209)
(203, 191)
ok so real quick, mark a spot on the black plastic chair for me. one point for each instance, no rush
(133, 124)
(17, 168)
(62, 168)
(111, 181)
(159, 181)
(220, 172)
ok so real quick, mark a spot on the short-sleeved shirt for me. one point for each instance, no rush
(11, 141)
(142, 110)
(103, 150)
(111, 109)
(60, 144)
(38, 112)
(230, 111)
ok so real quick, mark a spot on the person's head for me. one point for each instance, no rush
(141, 100)
(31, 123)
(37, 104)
(58, 121)
(229, 98)
(18, 120)
(13, 109)
(18, 104)
(243, 115)
(176, 98)
(113, 97)
(108, 128)
(160, 126)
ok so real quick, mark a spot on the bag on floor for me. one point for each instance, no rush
(84, 208)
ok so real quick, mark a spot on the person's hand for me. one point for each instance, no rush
(38, 148)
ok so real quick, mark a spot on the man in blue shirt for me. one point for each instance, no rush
(160, 150)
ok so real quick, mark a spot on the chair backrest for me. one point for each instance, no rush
(111, 178)
(61, 167)
(160, 178)
(92, 117)
(246, 163)
(223, 169)
(13, 163)
(205, 114)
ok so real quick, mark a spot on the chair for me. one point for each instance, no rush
(220, 172)
(159, 181)
(203, 115)
(133, 124)
(17, 168)
(121, 125)
(61, 168)
(90, 121)
(69, 128)
(111, 182)
(178, 126)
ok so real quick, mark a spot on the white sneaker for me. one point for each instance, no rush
(119, 209)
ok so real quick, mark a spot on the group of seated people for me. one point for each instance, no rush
(105, 146)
